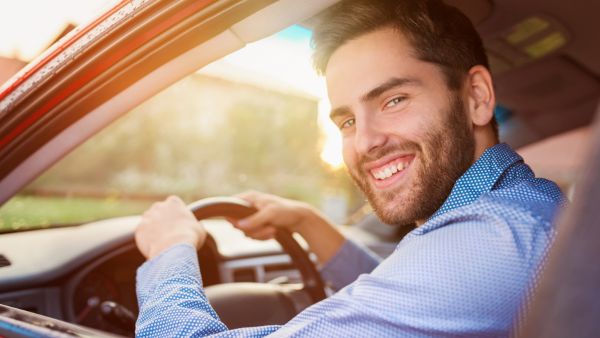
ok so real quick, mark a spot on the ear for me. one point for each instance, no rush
(481, 97)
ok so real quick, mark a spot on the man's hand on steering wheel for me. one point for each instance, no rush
(277, 212)
(165, 224)
(273, 212)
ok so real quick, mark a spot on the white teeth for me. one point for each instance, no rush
(389, 171)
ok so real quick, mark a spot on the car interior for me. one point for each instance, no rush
(80, 280)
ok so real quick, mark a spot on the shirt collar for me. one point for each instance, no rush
(480, 177)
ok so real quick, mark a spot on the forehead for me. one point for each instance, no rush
(386, 45)
(371, 59)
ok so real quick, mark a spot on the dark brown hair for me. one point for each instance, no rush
(439, 33)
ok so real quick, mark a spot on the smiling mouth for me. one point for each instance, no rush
(391, 169)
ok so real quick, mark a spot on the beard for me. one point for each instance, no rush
(443, 156)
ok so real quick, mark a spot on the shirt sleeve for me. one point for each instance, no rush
(169, 288)
(172, 301)
(338, 273)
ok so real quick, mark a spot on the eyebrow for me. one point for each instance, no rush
(375, 92)
(389, 84)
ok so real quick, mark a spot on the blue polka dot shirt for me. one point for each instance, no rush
(466, 272)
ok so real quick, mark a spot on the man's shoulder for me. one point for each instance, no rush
(524, 212)
(497, 234)
(530, 200)
(532, 197)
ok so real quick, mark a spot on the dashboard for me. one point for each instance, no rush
(67, 273)
(109, 278)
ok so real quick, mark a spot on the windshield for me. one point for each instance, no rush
(256, 119)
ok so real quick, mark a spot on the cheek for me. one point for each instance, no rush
(421, 130)
(407, 128)
(348, 152)
(420, 124)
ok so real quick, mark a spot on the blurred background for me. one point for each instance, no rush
(257, 119)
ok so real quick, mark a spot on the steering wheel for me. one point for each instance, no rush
(253, 304)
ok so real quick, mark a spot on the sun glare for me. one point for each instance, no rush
(282, 62)
(332, 147)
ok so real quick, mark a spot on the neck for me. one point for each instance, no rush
(484, 138)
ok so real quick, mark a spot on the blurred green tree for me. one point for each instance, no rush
(204, 136)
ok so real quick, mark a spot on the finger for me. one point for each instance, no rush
(263, 234)
(257, 198)
(256, 220)
(250, 195)
(172, 199)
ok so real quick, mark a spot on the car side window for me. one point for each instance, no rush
(229, 127)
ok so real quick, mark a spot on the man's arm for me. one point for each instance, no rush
(169, 286)
(467, 278)
(173, 304)
(172, 301)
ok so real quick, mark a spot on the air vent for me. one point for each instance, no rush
(4, 261)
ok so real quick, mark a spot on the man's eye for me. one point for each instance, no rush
(347, 123)
(394, 101)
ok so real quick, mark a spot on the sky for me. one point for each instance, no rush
(27, 27)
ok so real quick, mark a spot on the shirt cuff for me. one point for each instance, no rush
(348, 263)
(180, 259)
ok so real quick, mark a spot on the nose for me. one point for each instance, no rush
(369, 136)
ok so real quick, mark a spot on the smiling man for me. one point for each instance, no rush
(412, 95)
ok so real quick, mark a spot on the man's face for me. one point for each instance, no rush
(406, 136)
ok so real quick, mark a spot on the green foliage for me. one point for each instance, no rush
(25, 211)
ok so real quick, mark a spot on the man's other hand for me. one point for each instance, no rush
(166, 224)
(277, 212)
(273, 212)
